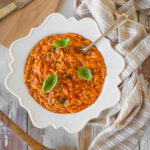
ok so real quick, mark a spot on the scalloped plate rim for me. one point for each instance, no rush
(12, 70)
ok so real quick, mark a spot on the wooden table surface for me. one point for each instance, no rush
(19, 23)
(58, 139)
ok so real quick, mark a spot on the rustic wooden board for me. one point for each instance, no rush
(3, 3)
(20, 22)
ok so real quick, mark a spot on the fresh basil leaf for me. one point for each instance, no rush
(84, 73)
(62, 101)
(49, 83)
(62, 43)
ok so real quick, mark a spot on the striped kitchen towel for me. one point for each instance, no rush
(120, 127)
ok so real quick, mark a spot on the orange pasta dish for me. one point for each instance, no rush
(63, 78)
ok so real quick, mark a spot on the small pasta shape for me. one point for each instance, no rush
(71, 93)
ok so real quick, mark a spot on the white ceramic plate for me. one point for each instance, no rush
(19, 50)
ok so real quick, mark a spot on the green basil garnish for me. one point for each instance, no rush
(84, 73)
(68, 76)
(53, 49)
(62, 101)
(49, 83)
(63, 43)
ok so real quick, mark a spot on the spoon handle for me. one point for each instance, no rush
(34, 145)
(121, 20)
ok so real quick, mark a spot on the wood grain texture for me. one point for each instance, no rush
(19, 23)
(36, 133)
(3, 3)
(34, 145)
(50, 137)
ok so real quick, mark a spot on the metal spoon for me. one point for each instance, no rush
(121, 20)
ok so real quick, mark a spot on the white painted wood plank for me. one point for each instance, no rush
(145, 141)
(138, 147)
(66, 7)
(57, 139)
(10, 106)
(36, 133)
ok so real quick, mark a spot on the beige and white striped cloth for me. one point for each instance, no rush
(120, 127)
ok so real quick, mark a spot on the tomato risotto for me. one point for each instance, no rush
(63, 78)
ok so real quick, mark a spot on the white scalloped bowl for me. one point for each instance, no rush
(19, 50)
